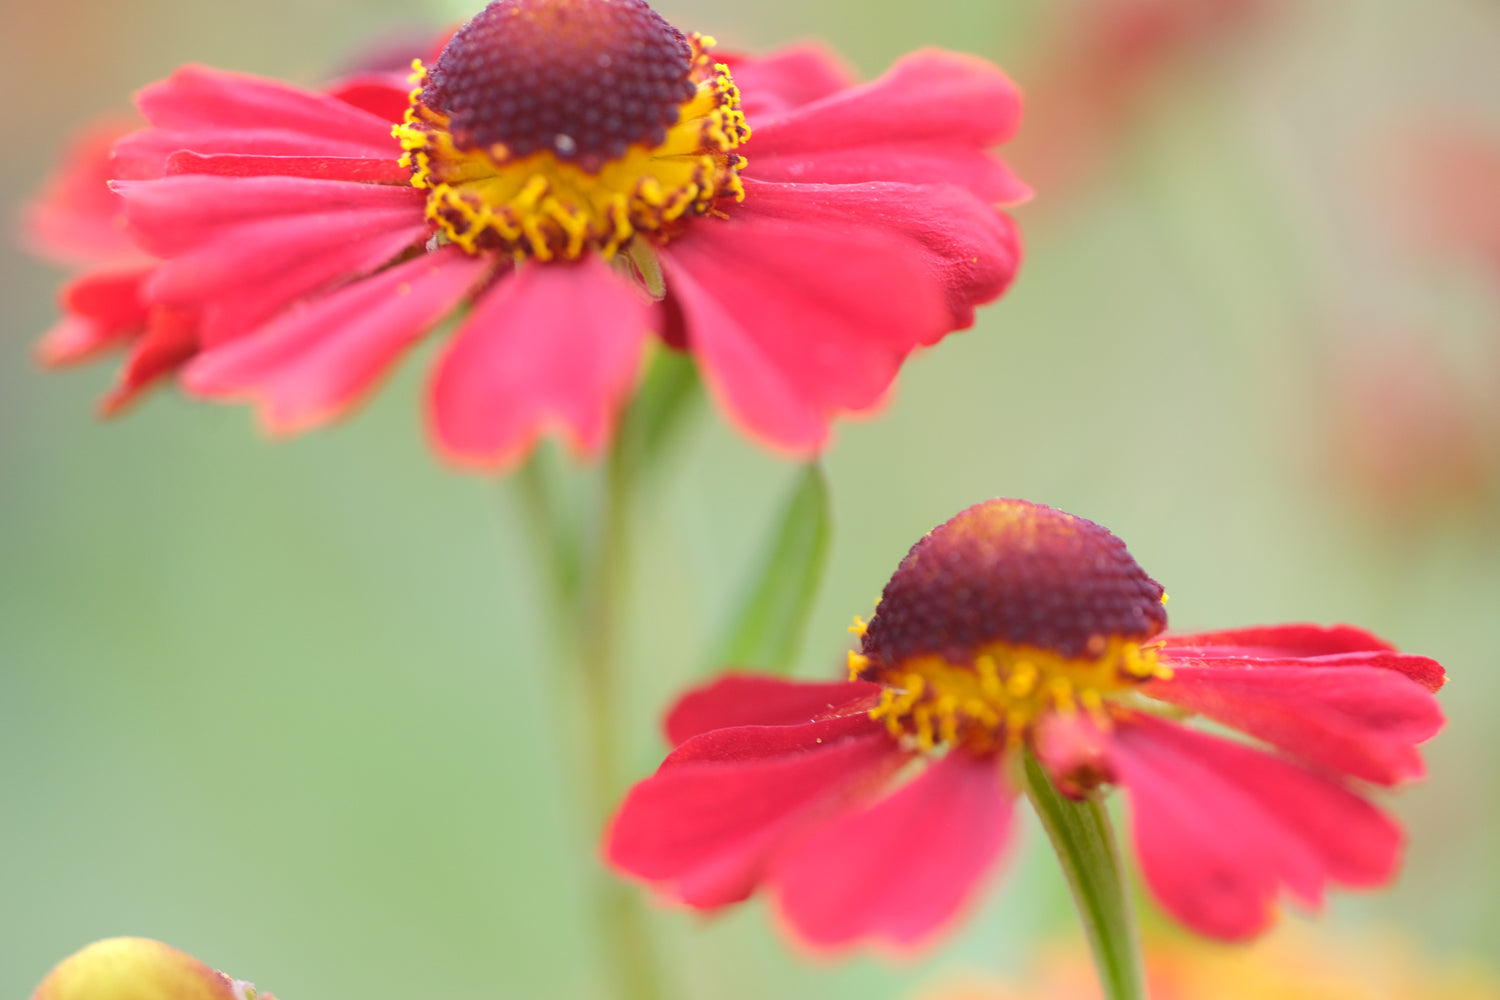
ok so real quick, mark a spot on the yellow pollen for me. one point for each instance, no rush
(541, 206)
(857, 663)
(860, 627)
(996, 700)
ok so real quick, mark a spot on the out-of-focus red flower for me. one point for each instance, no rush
(577, 175)
(1104, 60)
(1407, 435)
(873, 808)
(139, 969)
(1449, 193)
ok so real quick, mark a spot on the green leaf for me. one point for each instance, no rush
(769, 627)
(1085, 844)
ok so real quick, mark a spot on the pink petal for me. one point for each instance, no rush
(971, 248)
(76, 219)
(100, 311)
(1220, 828)
(794, 325)
(552, 345)
(169, 342)
(929, 119)
(756, 700)
(312, 363)
(707, 824)
(901, 869)
(788, 78)
(1359, 721)
(197, 98)
(175, 214)
(1300, 645)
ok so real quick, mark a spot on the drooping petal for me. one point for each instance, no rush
(552, 345)
(75, 219)
(972, 249)
(134, 969)
(1222, 828)
(756, 700)
(720, 808)
(787, 78)
(930, 119)
(100, 311)
(312, 363)
(1300, 645)
(1357, 720)
(793, 325)
(900, 869)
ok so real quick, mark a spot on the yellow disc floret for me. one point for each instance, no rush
(997, 699)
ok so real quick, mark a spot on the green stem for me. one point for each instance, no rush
(1085, 844)
(587, 590)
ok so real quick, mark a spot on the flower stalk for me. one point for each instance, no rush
(1083, 838)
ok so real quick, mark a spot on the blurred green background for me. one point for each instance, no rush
(289, 707)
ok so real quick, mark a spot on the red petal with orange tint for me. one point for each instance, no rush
(1222, 828)
(793, 325)
(1361, 721)
(170, 341)
(901, 869)
(313, 363)
(552, 345)
(969, 247)
(755, 700)
(720, 808)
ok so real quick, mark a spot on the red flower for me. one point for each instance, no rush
(873, 808)
(580, 175)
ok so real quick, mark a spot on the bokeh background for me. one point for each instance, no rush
(289, 706)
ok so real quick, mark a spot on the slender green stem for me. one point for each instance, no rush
(626, 937)
(1085, 844)
(587, 589)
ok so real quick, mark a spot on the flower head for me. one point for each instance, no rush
(139, 969)
(571, 179)
(873, 808)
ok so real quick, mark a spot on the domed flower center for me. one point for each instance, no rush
(1006, 612)
(549, 127)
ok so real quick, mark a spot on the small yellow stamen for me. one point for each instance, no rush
(1000, 696)
(857, 664)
